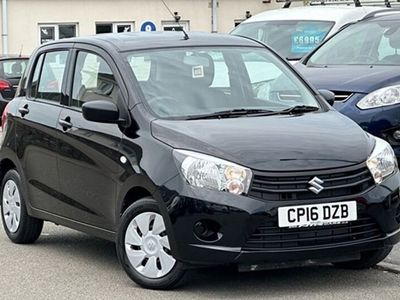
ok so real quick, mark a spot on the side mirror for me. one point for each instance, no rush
(328, 96)
(101, 111)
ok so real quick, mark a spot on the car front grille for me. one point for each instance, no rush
(289, 186)
(342, 96)
(269, 237)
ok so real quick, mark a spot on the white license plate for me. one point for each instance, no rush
(317, 214)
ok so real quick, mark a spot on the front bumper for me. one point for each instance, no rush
(381, 122)
(238, 217)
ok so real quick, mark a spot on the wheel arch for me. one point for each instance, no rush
(132, 195)
(5, 166)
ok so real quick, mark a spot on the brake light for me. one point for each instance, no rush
(4, 118)
(5, 85)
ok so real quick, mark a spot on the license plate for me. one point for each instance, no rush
(317, 214)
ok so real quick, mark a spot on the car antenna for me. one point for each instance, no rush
(177, 19)
(20, 50)
(357, 3)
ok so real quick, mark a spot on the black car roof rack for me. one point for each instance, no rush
(357, 3)
(287, 4)
(381, 12)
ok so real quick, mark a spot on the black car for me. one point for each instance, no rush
(190, 152)
(11, 70)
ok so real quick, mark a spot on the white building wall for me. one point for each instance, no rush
(26, 15)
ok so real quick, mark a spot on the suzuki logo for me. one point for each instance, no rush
(151, 245)
(316, 186)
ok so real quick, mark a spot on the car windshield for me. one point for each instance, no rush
(291, 39)
(13, 68)
(197, 81)
(366, 43)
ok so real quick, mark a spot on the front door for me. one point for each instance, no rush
(89, 161)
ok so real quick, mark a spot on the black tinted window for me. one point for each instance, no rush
(93, 80)
(36, 75)
(48, 76)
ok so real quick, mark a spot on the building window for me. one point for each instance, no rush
(52, 32)
(115, 27)
(173, 26)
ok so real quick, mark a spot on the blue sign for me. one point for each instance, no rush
(148, 26)
(307, 40)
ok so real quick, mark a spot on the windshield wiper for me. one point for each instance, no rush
(253, 112)
(298, 109)
(229, 113)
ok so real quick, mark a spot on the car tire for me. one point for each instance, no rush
(18, 225)
(143, 247)
(368, 259)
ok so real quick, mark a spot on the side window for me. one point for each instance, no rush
(93, 80)
(221, 72)
(268, 82)
(261, 79)
(141, 66)
(385, 49)
(36, 75)
(48, 76)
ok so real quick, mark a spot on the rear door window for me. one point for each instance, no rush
(49, 75)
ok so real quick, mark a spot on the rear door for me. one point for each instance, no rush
(89, 162)
(36, 128)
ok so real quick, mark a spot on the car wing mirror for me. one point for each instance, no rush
(101, 111)
(328, 96)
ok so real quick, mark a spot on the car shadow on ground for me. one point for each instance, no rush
(221, 281)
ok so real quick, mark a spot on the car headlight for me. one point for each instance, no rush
(382, 161)
(383, 97)
(206, 171)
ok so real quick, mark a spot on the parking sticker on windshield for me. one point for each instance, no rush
(307, 40)
(198, 72)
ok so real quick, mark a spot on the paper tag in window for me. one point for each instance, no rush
(198, 72)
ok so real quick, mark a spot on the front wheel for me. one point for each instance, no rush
(368, 259)
(143, 247)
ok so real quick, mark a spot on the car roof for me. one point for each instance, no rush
(132, 41)
(317, 13)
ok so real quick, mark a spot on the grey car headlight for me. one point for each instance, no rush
(206, 171)
(382, 162)
(383, 97)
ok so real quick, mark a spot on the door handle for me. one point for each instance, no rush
(66, 123)
(24, 110)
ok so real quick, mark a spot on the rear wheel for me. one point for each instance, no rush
(18, 225)
(368, 259)
(143, 247)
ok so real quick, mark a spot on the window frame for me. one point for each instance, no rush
(185, 24)
(114, 25)
(32, 68)
(78, 47)
(56, 27)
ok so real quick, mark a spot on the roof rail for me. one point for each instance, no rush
(381, 11)
(357, 3)
(287, 4)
